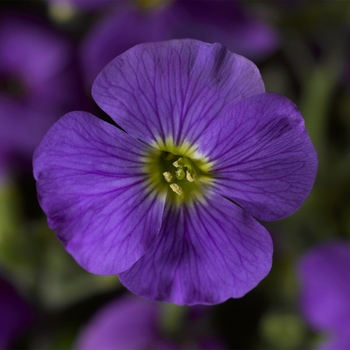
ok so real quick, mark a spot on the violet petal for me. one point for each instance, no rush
(324, 274)
(125, 323)
(204, 254)
(263, 157)
(92, 187)
(175, 89)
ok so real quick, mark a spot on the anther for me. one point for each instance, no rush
(190, 176)
(179, 163)
(167, 176)
(176, 188)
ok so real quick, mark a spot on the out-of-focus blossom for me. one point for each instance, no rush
(157, 204)
(35, 88)
(223, 21)
(15, 315)
(324, 274)
(119, 32)
(126, 323)
(226, 22)
(131, 323)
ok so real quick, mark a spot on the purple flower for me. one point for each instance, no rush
(132, 323)
(324, 274)
(126, 323)
(211, 21)
(15, 315)
(169, 204)
(121, 31)
(229, 23)
(35, 89)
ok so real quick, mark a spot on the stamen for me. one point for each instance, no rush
(190, 176)
(176, 188)
(179, 163)
(179, 169)
(167, 176)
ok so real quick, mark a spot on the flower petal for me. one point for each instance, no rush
(324, 274)
(92, 188)
(173, 89)
(125, 323)
(30, 50)
(204, 254)
(264, 159)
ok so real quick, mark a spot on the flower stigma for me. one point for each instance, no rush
(179, 172)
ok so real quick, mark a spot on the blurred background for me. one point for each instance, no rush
(50, 53)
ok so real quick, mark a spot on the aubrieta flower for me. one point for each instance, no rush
(229, 22)
(130, 323)
(125, 323)
(170, 203)
(36, 86)
(324, 274)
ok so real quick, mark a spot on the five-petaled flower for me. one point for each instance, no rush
(170, 203)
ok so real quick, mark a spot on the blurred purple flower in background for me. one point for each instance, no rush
(126, 323)
(131, 323)
(157, 204)
(223, 21)
(324, 274)
(227, 22)
(15, 315)
(120, 31)
(35, 86)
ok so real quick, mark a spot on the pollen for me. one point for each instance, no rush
(179, 163)
(190, 176)
(167, 176)
(176, 188)
(178, 171)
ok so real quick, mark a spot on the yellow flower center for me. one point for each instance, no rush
(179, 172)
